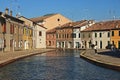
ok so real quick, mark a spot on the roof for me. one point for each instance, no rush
(40, 19)
(101, 26)
(2, 20)
(14, 18)
(0, 13)
(51, 31)
(76, 24)
(33, 21)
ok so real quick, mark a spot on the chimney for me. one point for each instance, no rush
(6, 11)
(11, 13)
(17, 15)
(70, 24)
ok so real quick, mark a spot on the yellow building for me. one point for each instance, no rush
(27, 33)
(115, 37)
(51, 21)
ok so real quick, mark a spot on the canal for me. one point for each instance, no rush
(65, 65)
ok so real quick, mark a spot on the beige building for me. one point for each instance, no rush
(11, 32)
(51, 21)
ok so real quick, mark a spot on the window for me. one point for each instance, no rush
(59, 35)
(40, 33)
(4, 28)
(89, 35)
(95, 34)
(108, 34)
(108, 42)
(56, 35)
(113, 42)
(79, 35)
(100, 44)
(15, 29)
(112, 33)
(83, 36)
(119, 33)
(100, 34)
(58, 19)
(67, 35)
(96, 42)
(73, 35)
(62, 35)
(10, 28)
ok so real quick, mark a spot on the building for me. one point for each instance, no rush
(34, 34)
(64, 36)
(77, 28)
(2, 31)
(99, 34)
(115, 34)
(69, 34)
(27, 33)
(51, 21)
(86, 38)
(39, 34)
(12, 30)
(51, 38)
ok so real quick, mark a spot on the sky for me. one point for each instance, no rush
(75, 10)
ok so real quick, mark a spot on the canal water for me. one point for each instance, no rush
(65, 65)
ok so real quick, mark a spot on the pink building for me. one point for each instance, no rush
(51, 38)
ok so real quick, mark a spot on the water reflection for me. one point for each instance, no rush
(56, 66)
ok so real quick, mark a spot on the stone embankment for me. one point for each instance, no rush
(8, 57)
(105, 60)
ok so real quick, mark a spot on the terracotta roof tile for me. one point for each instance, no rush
(107, 25)
(40, 19)
(75, 24)
(51, 30)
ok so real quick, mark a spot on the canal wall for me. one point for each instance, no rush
(101, 60)
(9, 57)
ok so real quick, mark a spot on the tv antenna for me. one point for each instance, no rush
(14, 6)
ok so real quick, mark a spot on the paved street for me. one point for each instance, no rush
(7, 57)
(103, 56)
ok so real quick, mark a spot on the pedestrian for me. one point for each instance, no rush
(112, 48)
(95, 48)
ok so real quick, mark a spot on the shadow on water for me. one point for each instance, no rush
(56, 65)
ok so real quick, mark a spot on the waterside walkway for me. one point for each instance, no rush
(8, 57)
(102, 58)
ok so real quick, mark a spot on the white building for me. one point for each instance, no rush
(101, 38)
(77, 32)
(39, 36)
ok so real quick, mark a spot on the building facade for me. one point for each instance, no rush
(115, 37)
(64, 36)
(51, 21)
(51, 38)
(27, 33)
(102, 34)
(39, 39)
(11, 32)
(101, 38)
(77, 28)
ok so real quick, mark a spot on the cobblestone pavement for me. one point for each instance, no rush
(7, 57)
(102, 57)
